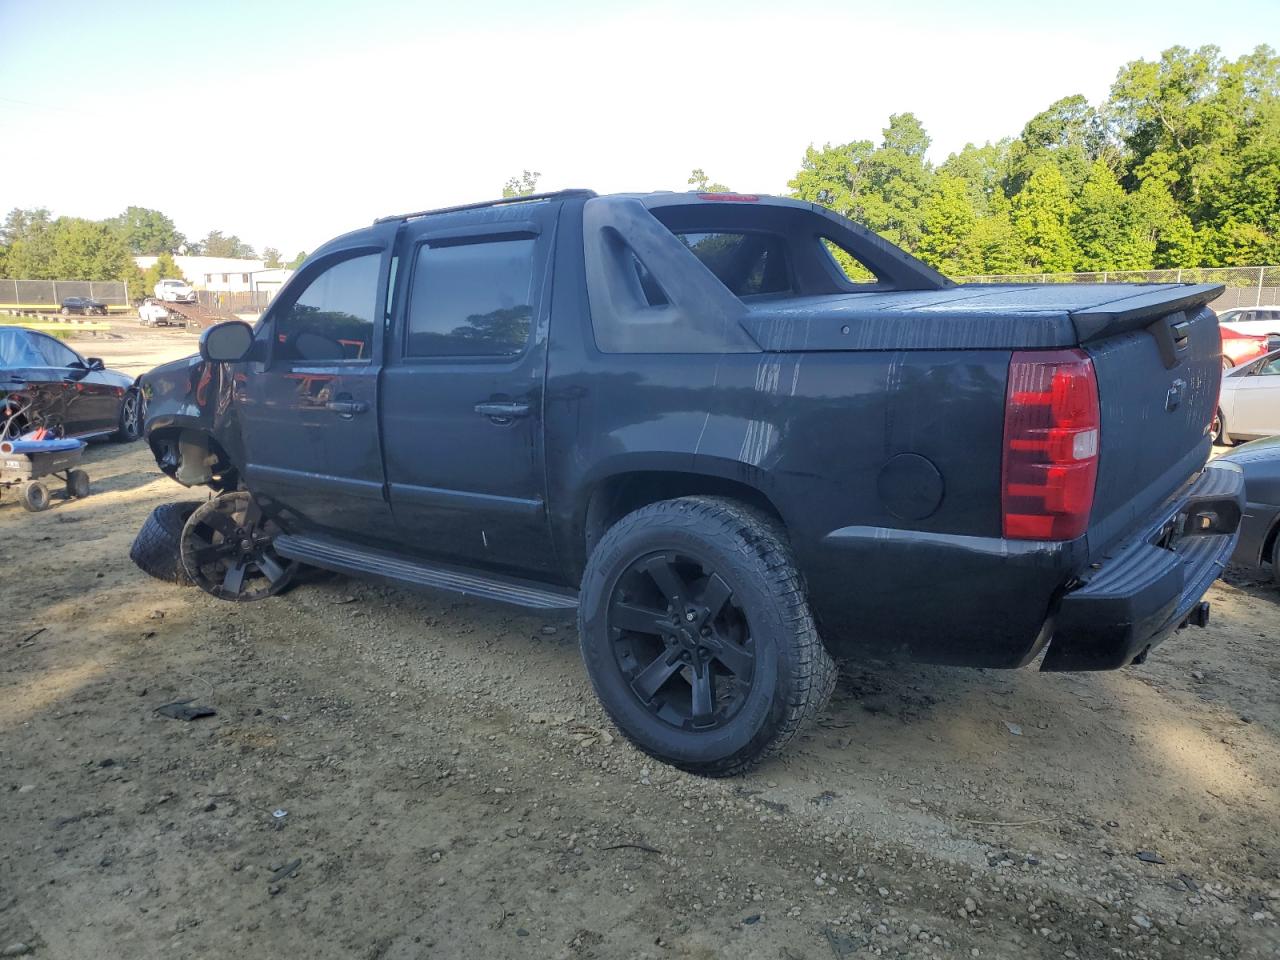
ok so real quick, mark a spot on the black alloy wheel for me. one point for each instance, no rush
(697, 635)
(227, 549)
(681, 640)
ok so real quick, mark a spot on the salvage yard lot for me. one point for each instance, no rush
(451, 788)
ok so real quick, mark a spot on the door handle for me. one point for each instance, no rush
(347, 407)
(503, 411)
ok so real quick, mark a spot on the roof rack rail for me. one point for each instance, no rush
(502, 201)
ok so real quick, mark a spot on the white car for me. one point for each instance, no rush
(154, 314)
(175, 291)
(1259, 321)
(1249, 405)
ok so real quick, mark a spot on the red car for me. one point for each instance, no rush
(1238, 348)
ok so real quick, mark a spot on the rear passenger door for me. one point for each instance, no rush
(462, 395)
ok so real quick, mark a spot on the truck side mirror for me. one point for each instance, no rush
(94, 364)
(226, 342)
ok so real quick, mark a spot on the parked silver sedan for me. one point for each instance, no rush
(1249, 405)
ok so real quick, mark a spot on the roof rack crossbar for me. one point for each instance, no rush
(502, 201)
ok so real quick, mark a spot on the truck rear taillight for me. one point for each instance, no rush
(1051, 423)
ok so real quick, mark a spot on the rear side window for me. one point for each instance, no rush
(747, 263)
(471, 299)
(333, 318)
(17, 349)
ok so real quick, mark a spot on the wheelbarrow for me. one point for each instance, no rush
(24, 464)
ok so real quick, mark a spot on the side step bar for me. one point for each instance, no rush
(363, 561)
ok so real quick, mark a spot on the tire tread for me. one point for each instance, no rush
(156, 549)
(761, 542)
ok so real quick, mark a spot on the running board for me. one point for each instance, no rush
(363, 561)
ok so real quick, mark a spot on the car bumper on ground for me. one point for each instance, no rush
(1255, 530)
(1152, 584)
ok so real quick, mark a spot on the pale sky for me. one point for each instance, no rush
(287, 123)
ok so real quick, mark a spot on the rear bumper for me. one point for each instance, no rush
(1151, 584)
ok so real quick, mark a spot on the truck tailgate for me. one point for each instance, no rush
(1158, 371)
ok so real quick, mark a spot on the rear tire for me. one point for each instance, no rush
(697, 635)
(77, 484)
(157, 549)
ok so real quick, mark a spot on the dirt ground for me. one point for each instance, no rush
(399, 775)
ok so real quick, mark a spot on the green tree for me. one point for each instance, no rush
(215, 244)
(1107, 227)
(700, 182)
(1175, 240)
(28, 243)
(271, 257)
(947, 225)
(297, 261)
(22, 224)
(982, 169)
(522, 185)
(88, 250)
(147, 232)
(881, 187)
(1070, 134)
(1236, 244)
(1208, 131)
(1041, 214)
(996, 244)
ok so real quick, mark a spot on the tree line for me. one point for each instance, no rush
(34, 245)
(1178, 167)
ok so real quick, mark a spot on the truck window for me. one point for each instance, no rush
(747, 263)
(849, 265)
(332, 320)
(471, 299)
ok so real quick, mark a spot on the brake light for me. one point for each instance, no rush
(1051, 429)
(735, 197)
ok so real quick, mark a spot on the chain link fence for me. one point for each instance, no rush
(36, 295)
(1246, 286)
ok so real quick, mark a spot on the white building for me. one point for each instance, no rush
(226, 274)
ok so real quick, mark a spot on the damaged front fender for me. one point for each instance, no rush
(191, 422)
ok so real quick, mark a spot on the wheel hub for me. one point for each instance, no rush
(682, 640)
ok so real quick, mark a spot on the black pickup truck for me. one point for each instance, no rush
(720, 426)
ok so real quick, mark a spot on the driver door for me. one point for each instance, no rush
(309, 410)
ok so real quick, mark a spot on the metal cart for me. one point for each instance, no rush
(23, 464)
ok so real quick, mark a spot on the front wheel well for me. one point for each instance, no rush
(193, 458)
(617, 496)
